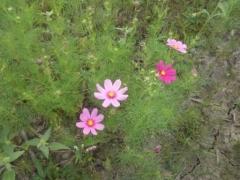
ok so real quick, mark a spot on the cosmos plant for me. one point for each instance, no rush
(111, 93)
(90, 122)
(165, 72)
(177, 45)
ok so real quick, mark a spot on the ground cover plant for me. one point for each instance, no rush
(98, 89)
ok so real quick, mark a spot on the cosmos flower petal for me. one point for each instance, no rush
(170, 78)
(182, 50)
(80, 124)
(83, 117)
(171, 72)
(115, 103)
(86, 130)
(100, 88)
(108, 84)
(168, 67)
(99, 126)
(171, 42)
(122, 97)
(93, 131)
(168, 41)
(99, 118)
(94, 113)
(86, 112)
(160, 65)
(99, 96)
(117, 84)
(106, 103)
(123, 90)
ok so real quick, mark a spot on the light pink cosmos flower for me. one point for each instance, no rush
(111, 93)
(90, 122)
(178, 45)
(165, 72)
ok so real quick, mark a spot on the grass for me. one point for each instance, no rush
(53, 53)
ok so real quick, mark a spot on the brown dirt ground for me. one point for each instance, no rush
(219, 101)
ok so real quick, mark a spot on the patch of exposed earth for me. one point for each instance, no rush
(218, 150)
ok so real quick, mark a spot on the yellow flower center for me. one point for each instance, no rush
(176, 46)
(90, 122)
(162, 73)
(111, 94)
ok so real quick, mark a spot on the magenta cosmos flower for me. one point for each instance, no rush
(90, 122)
(166, 72)
(178, 45)
(111, 94)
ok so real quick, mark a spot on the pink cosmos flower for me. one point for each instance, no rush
(157, 149)
(165, 72)
(90, 122)
(178, 45)
(111, 93)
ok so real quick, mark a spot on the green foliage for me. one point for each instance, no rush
(43, 145)
(41, 174)
(139, 165)
(7, 155)
(52, 54)
(236, 152)
(187, 127)
(9, 175)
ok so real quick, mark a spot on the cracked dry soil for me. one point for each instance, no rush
(219, 145)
